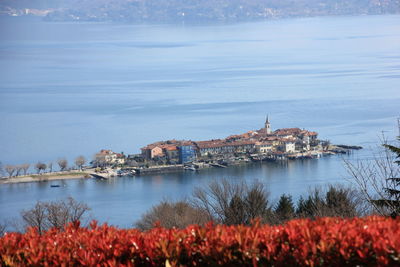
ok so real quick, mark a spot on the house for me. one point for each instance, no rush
(111, 157)
(222, 147)
(171, 152)
(152, 151)
(265, 146)
(187, 153)
(209, 147)
(287, 145)
(243, 146)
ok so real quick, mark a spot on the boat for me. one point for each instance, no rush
(189, 168)
(55, 185)
(129, 173)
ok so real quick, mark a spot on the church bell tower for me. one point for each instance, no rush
(268, 125)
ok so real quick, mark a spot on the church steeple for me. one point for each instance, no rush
(268, 125)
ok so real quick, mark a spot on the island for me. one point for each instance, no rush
(280, 145)
(252, 146)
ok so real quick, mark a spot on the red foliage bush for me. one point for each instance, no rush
(370, 241)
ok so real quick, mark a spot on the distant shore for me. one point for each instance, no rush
(53, 176)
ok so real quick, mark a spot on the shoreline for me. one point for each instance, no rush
(86, 174)
(47, 177)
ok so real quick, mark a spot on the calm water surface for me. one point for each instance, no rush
(121, 201)
(68, 89)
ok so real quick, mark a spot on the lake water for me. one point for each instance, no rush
(69, 89)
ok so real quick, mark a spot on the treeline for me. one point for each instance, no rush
(232, 204)
(46, 215)
(40, 167)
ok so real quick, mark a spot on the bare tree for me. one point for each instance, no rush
(99, 160)
(169, 214)
(40, 166)
(63, 164)
(10, 169)
(57, 214)
(230, 203)
(61, 212)
(36, 217)
(25, 167)
(80, 161)
(50, 166)
(378, 179)
(18, 170)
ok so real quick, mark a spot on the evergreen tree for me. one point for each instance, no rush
(392, 189)
(257, 204)
(305, 207)
(338, 202)
(285, 208)
(236, 212)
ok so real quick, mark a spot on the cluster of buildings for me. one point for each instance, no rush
(263, 141)
(286, 141)
(108, 157)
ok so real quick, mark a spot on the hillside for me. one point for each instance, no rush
(193, 11)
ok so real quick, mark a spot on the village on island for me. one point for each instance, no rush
(259, 145)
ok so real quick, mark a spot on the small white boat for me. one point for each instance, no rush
(190, 168)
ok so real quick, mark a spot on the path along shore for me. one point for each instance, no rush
(53, 176)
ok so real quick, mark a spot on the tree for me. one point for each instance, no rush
(40, 166)
(341, 201)
(36, 217)
(168, 214)
(304, 207)
(379, 179)
(80, 161)
(284, 210)
(57, 214)
(230, 203)
(10, 169)
(25, 167)
(236, 211)
(391, 199)
(50, 166)
(18, 170)
(337, 201)
(257, 203)
(99, 160)
(63, 164)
